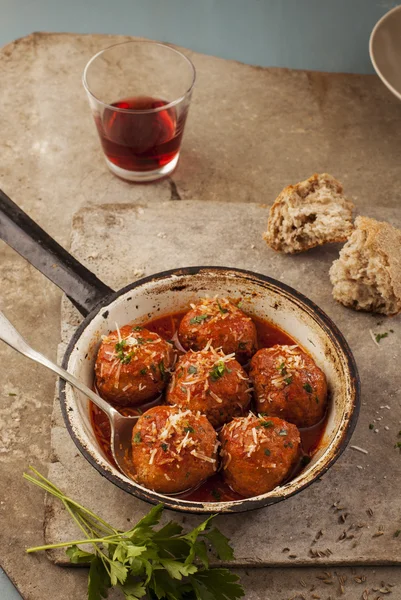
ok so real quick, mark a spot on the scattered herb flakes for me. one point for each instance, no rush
(143, 371)
(288, 445)
(221, 309)
(11, 394)
(397, 533)
(198, 319)
(380, 336)
(242, 345)
(164, 563)
(137, 438)
(183, 389)
(218, 371)
(267, 452)
(162, 370)
(137, 328)
(398, 445)
(308, 388)
(371, 426)
(267, 424)
(164, 447)
(283, 432)
(192, 370)
(288, 380)
(189, 429)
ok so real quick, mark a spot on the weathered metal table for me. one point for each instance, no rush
(250, 132)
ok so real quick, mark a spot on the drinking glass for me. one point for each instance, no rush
(139, 93)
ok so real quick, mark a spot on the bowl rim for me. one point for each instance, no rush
(372, 54)
(175, 503)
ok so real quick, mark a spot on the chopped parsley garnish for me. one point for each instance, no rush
(192, 370)
(126, 359)
(397, 533)
(380, 336)
(218, 371)
(288, 445)
(242, 346)
(288, 380)
(308, 387)
(221, 309)
(183, 389)
(143, 371)
(282, 369)
(371, 426)
(189, 429)
(398, 445)
(11, 394)
(137, 328)
(267, 424)
(164, 447)
(283, 432)
(267, 452)
(119, 348)
(137, 438)
(317, 400)
(162, 370)
(198, 319)
(216, 494)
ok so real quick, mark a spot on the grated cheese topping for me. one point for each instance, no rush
(250, 433)
(195, 373)
(169, 442)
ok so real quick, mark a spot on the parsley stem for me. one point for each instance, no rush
(52, 489)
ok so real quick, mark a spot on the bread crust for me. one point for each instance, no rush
(380, 249)
(301, 194)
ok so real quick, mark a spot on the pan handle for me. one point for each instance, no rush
(20, 232)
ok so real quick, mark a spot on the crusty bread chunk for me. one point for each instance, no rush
(308, 214)
(367, 276)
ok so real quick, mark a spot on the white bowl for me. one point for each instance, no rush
(385, 50)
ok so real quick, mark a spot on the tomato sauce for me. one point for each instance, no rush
(214, 489)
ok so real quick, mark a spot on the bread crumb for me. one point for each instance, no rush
(308, 214)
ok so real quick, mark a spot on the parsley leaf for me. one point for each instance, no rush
(162, 564)
(192, 370)
(220, 544)
(218, 371)
(380, 336)
(221, 309)
(308, 387)
(198, 319)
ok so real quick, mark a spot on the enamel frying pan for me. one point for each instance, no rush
(163, 294)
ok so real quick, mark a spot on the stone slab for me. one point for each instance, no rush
(299, 122)
(122, 243)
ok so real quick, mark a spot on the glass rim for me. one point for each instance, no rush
(135, 110)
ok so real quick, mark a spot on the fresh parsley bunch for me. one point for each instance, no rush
(163, 564)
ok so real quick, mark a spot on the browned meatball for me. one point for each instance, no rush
(288, 384)
(257, 453)
(173, 450)
(132, 365)
(223, 324)
(212, 383)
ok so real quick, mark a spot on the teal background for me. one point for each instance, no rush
(325, 35)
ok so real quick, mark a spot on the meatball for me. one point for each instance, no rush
(288, 384)
(132, 365)
(212, 383)
(258, 453)
(223, 324)
(173, 450)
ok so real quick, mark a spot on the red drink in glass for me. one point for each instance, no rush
(139, 138)
(139, 93)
